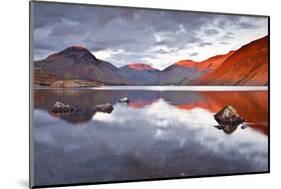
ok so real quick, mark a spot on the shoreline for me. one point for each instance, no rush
(167, 88)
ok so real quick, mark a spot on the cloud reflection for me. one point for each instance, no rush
(156, 140)
(168, 123)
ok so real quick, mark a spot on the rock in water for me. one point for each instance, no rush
(244, 126)
(61, 108)
(124, 100)
(106, 108)
(227, 129)
(228, 116)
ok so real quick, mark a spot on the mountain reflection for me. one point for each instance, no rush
(156, 135)
(228, 129)
(252, 105)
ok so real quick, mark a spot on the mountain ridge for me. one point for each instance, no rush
(247, 65)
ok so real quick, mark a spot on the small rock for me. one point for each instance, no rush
(124, 100)
(62, 108)
(228, 116)
(244, 126)
(106, 108)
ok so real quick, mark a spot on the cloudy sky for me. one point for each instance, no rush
(155, 37)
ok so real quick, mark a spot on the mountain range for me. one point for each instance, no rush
(247, 66)
(76, 66)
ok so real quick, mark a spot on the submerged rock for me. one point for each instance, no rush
(124, 100)
(228, 116)
(62, 108)
(106, 108)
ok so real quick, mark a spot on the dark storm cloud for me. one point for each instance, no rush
(139, 31)
(101, 27)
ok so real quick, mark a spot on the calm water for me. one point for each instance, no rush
(159, 134)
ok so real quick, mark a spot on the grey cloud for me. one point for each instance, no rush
(103, 27)
(211, 31)
(224, 43)
(160, 51)
(203, 44)
(162, 42)
(43, 46)
(227, 36)
(98, 28)
(73, 29)
(237, 21)
(193, 54)
(96, 49)
(222, 24)
(122, 59)
(40, 53)
(247, 25)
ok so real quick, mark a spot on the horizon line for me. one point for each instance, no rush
(170, 88)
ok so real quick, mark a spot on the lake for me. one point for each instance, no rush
(158, 134)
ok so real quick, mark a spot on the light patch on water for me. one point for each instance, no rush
(167, 120)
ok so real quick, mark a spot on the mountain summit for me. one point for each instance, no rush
(79, 63)
(75, 54)
(140, 74)
(141, 67)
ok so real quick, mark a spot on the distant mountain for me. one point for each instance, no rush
(185, 71)
(76, 66)
(246, 66)
(77, 63)
(141, 67)
(177, 73)
(140, 74)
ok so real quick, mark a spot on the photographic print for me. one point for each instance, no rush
(122, 94)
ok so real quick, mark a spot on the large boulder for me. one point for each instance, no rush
(62, 108)
(228, 116)
(106, 108)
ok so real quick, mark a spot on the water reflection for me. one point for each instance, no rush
(156, 135)
(246, 102)
(228, 129)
